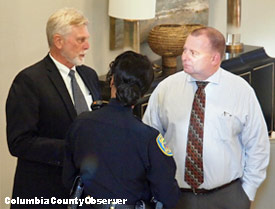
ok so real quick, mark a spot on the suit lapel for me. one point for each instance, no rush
(60, 86)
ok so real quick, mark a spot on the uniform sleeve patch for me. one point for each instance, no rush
(162, 145)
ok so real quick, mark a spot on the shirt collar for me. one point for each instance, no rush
(62, 68)
(215, 78)
(115, 103)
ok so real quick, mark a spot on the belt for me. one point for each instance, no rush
(109, 206)
(204, 191)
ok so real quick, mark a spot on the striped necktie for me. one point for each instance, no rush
(194, 159)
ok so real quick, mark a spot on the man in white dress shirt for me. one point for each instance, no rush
(236, 146)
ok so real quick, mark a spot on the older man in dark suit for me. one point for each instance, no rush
(41, 105)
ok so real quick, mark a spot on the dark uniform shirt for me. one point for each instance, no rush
(119, 157)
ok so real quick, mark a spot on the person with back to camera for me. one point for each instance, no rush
(214, 125)
(41, 106)
(116, 155)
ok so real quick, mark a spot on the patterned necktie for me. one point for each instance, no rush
(79, 100)
(193, 162)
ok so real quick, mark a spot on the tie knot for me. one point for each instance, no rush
(201, 84)
(72, 73)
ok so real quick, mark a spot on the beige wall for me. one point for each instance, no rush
(23, 42)
(265, 194)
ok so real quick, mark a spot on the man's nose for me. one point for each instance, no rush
(184, 55)
(86, 45)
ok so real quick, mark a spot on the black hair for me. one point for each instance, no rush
(133, 75)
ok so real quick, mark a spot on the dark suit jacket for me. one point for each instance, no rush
(39, 111)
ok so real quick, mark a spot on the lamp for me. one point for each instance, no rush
(131, 11)
(233, 40)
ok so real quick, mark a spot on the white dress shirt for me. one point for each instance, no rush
(64, 71)
(235, 142)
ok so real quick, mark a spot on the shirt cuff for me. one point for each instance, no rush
(250, 191)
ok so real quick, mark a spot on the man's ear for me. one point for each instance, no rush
(58, 41)
(216, 59)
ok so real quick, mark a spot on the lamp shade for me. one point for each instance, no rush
(132, 9)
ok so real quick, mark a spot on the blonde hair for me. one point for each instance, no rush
(61, 21)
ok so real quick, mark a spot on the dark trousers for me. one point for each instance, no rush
(230, 197)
